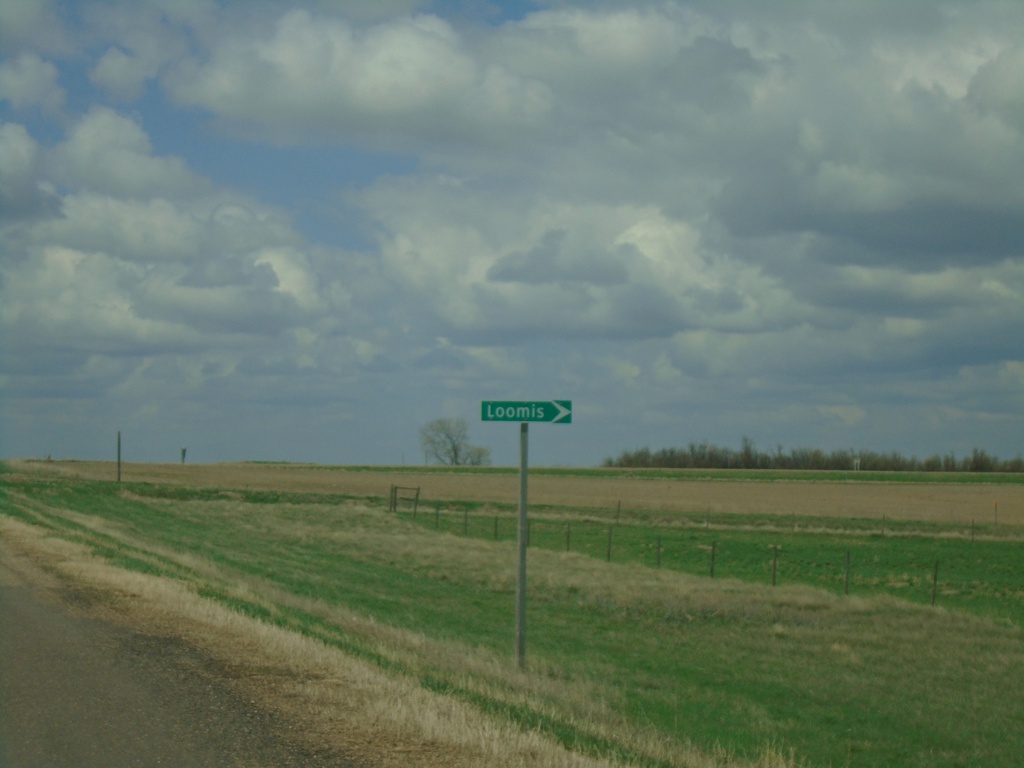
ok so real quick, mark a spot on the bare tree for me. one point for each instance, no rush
(478, 456)
(446, 441)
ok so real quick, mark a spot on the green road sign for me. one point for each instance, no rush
(551, 411)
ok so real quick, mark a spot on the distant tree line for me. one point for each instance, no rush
(705, 455)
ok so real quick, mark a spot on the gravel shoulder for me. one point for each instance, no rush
(78, 691)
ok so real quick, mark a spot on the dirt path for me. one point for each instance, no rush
(79, 692)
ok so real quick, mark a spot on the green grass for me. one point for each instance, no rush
(876, 678)
(980, 568)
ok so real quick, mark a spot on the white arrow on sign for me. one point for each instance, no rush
(562, 411)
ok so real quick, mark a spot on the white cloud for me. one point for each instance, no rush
(580, 49)
(21, 193)
(31, 24)
(121, 74)
(18, 154)
(144, 231)
(139, 40)
(696, 216)
(293, 276)
(996, 85)
(323, 77)
(150, 260)
(29, 81)
(583, 270)
(65, 299)
(108, 153)
(196, 231)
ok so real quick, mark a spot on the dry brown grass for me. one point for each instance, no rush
(387, 719)
(934, 502)
(333, 699)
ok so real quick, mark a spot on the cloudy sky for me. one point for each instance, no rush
(300, 231)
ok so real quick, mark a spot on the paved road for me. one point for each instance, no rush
(76, 693)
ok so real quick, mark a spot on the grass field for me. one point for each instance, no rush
(635, 652)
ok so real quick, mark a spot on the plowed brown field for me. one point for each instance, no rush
(936, 502)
